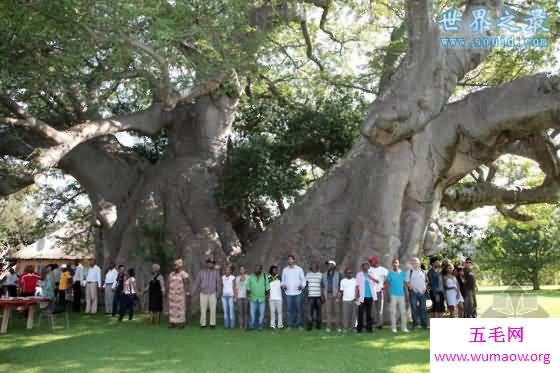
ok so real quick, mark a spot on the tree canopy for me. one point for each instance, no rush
(522, 252)
(292, 78)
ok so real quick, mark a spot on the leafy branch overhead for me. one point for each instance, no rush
(224, 118)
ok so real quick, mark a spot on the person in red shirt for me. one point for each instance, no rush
(28, 282)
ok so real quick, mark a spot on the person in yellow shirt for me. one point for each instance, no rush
(64, 284)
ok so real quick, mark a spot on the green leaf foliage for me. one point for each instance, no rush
(522, 252)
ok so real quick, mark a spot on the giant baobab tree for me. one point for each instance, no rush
(76, 74)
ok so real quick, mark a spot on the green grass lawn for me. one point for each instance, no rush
(98, 343)
(101, 344)
(548, 298)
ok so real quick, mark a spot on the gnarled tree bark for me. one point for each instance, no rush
(381, 199)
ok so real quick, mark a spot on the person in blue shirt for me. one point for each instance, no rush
(396, 284)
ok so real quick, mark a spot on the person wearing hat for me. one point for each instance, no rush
(378, 273)
(178, 290)
(330, 286)
(209, 283)
(436, 286)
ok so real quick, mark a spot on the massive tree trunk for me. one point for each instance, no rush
(536, 281)
(177, 191)
(376, 201)
(381, 199)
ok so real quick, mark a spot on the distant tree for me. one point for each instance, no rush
(522, 252)
(277, 151)
(20, 224)
(460, 240)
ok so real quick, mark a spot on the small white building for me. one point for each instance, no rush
(55, 247)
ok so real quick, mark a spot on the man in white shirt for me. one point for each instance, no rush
(109, 292)
(77, 283)
(293, 283)
(93, 283)
(416, 284)
(380, 274)
(348, 294)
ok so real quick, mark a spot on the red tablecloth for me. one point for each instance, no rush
(22, 301)
(8, 303)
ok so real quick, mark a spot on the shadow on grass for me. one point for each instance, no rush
(98, 344)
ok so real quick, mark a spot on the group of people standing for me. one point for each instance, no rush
(120, 290)
(338, 301)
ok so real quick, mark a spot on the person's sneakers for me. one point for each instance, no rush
(406, 331)
(339, 330)
(202, 326)
(212, 326)
(379, 327)
(394, 330)
(272, 327)
(328, 330)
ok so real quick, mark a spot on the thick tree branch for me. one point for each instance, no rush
(309, 45)
(27, 120)
(513, 213)
(522, 109)
(419, 15)
(11, 183)
(477, 129)
(467, 197)
(426, 77)
(149, 121)
(391, 57)
(326, 6)
(165, 87)
(208, 86)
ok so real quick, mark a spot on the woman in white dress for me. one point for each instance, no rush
(452, 292)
